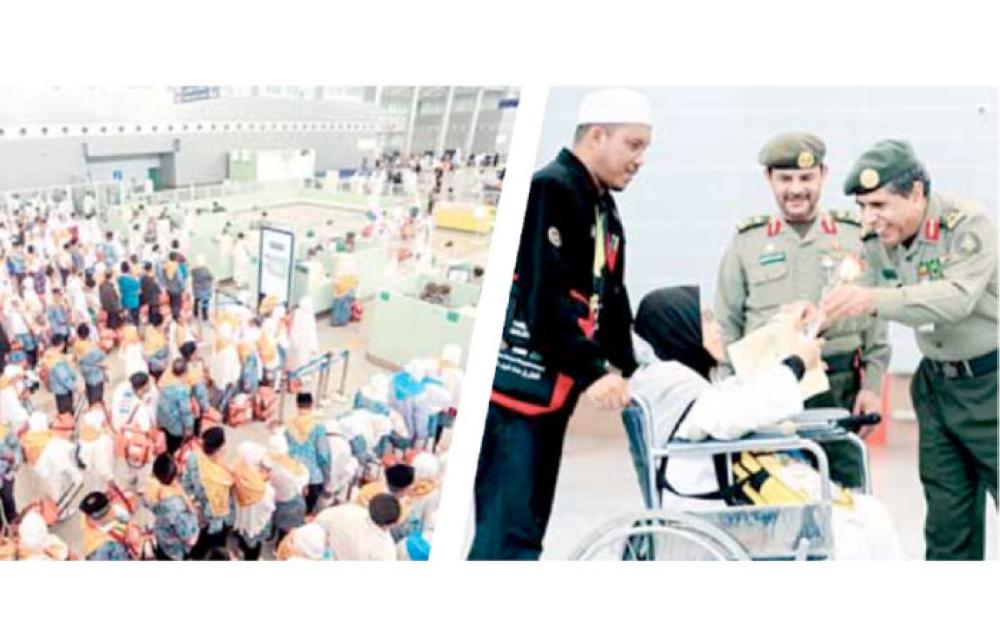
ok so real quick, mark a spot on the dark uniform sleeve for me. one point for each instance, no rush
(543, 286)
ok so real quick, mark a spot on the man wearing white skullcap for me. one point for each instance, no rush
(569, 313)
(306, 542)
(36, 543)
(51, 460)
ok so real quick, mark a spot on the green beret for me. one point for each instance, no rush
(883, 163)
(792, 150)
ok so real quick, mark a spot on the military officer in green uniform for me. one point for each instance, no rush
(934, 261)
(795, 256)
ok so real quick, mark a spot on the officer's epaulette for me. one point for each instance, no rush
(951, 219)
(846, 217)
(751, 222)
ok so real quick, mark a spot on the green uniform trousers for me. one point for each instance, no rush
(958, 458)
(845, 459)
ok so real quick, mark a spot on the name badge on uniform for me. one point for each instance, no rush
(771, 257)
(889, 273)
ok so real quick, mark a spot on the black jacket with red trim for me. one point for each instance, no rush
(554, 275)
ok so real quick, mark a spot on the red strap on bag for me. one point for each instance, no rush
(559, 394)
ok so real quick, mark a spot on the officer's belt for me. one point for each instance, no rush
(840, 362)
(965, 369)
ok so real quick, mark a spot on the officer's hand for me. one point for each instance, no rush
(846, 301)
(802, 313)
(867, 402)
(809, 350)
(610, 392)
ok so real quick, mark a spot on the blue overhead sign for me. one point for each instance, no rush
(191, 94)
(509, 103)
(117, 175)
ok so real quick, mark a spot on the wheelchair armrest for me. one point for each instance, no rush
(767, 442)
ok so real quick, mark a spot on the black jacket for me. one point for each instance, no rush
(4, 342)
(110, 301)
(149, 291)
(554, 275)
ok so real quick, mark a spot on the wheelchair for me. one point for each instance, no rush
(727, 533)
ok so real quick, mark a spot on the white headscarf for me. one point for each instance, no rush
(251, 452)
(303, 332)
(15, 317)
(253, 519)
(287, 486)
(377, 388)
(278, 443)
(225, 367)
(97, 455)
(11, 370)
(426, 466)
(310, 541)
(33, 532)
(38, 422)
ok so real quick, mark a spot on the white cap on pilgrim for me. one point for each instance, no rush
(618, 106)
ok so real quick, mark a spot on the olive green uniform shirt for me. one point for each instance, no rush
(945, 284)
(768, 264)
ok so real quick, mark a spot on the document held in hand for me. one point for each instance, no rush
(768, 345)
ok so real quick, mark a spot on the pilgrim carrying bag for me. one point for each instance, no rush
(522, 381)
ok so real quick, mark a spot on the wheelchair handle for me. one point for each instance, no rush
(855, 422)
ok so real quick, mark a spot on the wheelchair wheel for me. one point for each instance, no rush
(659, 536)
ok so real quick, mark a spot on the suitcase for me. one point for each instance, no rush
(134, 446)
(340, 311)
(239, 411)
(265, 403)
(64, 425)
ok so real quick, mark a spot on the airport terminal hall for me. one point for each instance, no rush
(235, 319)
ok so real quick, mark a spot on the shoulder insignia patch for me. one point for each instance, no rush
(850, 218)
(968, 244)
(554, 237)
(951, 219)
(751, 222)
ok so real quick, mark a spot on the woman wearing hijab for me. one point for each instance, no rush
(303, 340)
(684, 346)
(255, 499)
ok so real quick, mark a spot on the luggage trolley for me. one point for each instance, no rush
(751, 532)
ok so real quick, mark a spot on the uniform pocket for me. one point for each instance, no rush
(768, 272)
(767, 285)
